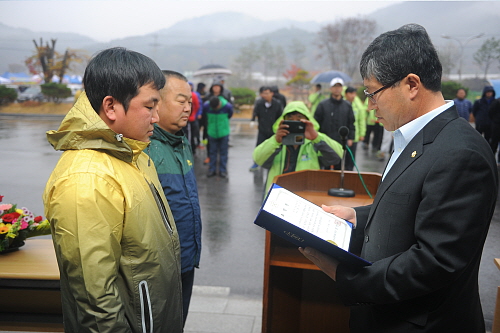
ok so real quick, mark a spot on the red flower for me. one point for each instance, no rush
(10, 217)
(38, 219)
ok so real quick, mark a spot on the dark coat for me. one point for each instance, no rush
(267, 116)
(332, 114)
(425, 233)
(481, 106)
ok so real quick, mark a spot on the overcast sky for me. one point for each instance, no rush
(110, 19)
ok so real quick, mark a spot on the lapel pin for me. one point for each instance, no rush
(414, 153)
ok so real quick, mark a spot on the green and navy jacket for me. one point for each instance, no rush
(322, 151)
(218, 120)
(172, 156)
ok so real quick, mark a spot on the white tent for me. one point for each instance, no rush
(4, 80)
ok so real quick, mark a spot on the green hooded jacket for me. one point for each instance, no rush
(322, 151)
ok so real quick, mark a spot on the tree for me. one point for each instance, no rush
(7, 95)
(447, 56)
(342, 43)
(244, 62)
(55, 92)
(268, 57)
(298, 51)
(280, 63)
(487, 54)
(298, 79)
(51, 62)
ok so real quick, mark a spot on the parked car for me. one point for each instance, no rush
(33, 93)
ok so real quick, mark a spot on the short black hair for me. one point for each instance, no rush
(200, 86)
(350, 89)
(318, 85)
(214, 102)
(120, 73)
(395, 54)
(264, 88)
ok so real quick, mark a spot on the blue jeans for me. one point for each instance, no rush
(218, 148)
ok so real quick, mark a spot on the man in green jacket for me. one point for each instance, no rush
(170, 149)
(318, 149)
(218, 111)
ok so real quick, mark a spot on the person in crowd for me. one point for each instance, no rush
(216, 89)
(315, 98)
(172, 156)
(425, 231)
(200, 90)
(317, 151)
(463, 105)
(114, 235)
(217, 111)
(266, 109)
(480, 112)
(193, 127)
(359, 109)
(335, 112)
(279, 96)
(228, 95)
(494, 114)
(374, 132)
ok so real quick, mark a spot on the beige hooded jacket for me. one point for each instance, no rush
(114, 235)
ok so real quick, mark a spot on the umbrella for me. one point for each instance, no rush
(496, 86)
(326, 77)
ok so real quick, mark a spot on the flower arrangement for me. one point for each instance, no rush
(18, 224)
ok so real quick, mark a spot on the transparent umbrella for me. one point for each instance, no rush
(327, 76)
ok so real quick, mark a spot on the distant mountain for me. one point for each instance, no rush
(458, 19)
(217, 38)
(224, 26)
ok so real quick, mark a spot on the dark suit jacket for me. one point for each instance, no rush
(425, 233)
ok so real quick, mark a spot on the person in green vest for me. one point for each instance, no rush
(359, 109)
(218, 111)
(317, 151)
(316, 97)
(372, 125)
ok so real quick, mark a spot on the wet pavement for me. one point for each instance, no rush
(229, 283)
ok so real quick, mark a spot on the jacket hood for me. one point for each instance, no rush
(296, 106)
(486, 89)
(82, 128)
(211, 90)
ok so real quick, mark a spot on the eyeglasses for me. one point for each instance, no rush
(370, 96)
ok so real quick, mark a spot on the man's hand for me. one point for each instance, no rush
(346, 213)
(310, 133)
(326, 263)
(281, 132)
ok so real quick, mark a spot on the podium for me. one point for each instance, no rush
(298, 297)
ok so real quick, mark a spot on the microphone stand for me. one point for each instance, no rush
(342, 192)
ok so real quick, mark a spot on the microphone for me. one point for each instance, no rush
(341, 191)
(343, 132)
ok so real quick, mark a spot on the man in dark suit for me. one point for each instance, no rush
(425, 231)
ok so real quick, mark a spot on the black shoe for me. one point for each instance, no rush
(223, 174)
(211, 174)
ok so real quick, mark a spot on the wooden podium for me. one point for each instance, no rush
(298, 297)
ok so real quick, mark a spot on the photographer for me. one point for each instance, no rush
(311, 149)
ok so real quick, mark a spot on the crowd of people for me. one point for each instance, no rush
(124, 209)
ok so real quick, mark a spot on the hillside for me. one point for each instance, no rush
(217, 38)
